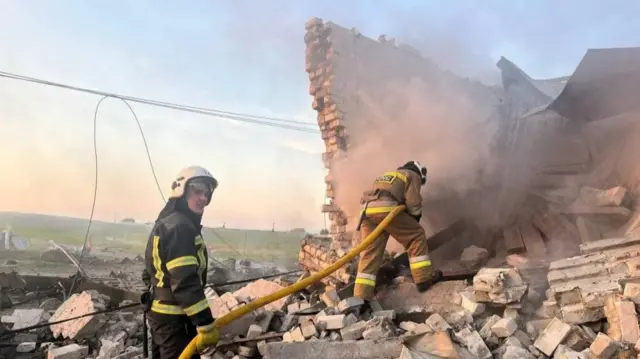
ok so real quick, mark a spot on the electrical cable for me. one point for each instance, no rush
(47, 324)
(95, 189)
(125, 99)
(235, 116)
(132, 305)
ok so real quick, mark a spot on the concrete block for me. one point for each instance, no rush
(262, 346)
(389, 314)
(485, 332)
(22, 318)
(437, 343)
(332, 322)
(437, 323)
(308, 329)
(261, 288)
(78, 304)
(378, 328)
(415, 328)
(603, 347)
(330, 298)
(350, 304)
(71, 351)
(476, 345)
(504, 327)
(254, 331)
(247, 351)
(580, 314)
(473, 256)
(296, 334)
(26, 347)
(354, 331)
(496, 280)
(365, 349)
(468, 302)
(552, 336)
(632, 292)
(623, 320)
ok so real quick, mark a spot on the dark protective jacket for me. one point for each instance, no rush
(398, 187)
(176, 267)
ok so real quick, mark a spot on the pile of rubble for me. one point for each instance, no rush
(498, 316)
(105, 336)
(588, 311)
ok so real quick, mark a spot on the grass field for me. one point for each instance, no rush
(130, 238)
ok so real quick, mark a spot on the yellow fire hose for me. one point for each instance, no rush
(190, 350)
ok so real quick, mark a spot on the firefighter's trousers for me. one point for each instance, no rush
(170, 335)
(409, 233)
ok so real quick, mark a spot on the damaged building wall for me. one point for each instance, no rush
(501, 159)
(379, 105)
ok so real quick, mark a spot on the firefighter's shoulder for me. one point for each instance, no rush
(176, 224)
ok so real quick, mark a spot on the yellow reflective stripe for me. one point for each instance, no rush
(397, 175)
(421, 264)
(199, 240)
(365, 281)
(376, 210)
(157, 261)
(197, 308)
(181, 262)
(161, 308)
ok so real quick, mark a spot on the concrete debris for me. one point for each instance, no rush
(71, 351)
(473, 257)
(498, 286)
(79, 304)
(552, 336)
(261, 288)
(22, 318)
(580, 285)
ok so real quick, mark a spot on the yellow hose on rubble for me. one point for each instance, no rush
(190, 350)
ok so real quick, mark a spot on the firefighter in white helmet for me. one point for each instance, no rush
(401, 186)
(176, 268)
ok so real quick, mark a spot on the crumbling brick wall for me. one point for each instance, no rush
(365, 93)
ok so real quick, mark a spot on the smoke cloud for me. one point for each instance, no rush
(437, 121)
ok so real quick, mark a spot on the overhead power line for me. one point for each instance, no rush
(300, 126)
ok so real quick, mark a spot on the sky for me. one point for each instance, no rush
(240, 56)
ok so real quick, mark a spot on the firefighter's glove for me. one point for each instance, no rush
(208, 335)
(417, 217)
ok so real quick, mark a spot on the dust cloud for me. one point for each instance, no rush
(440, 122)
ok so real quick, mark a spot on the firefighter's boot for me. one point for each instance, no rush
(433, 278)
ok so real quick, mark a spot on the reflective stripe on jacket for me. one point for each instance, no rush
(176, 262)
(403, 186)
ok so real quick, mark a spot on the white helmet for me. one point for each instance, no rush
(418, 168)
(186, 175)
